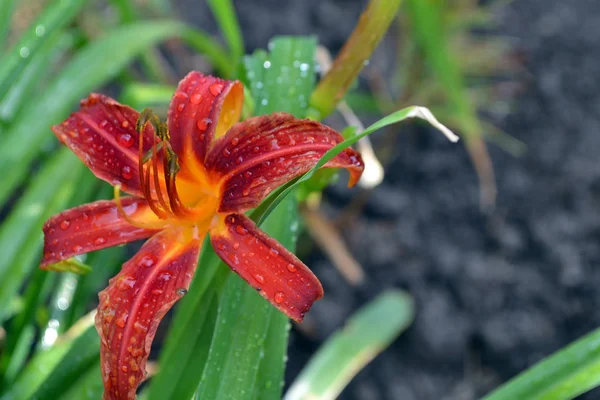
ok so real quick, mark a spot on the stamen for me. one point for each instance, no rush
(123, 214)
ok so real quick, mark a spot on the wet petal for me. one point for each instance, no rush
(262, 153)
(136, 300)
(203, 108)
(94, 226)
(266, 265)
(103, 135)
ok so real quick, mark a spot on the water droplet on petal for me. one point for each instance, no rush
(279, 297)
(99, 241)
(147, 261)
(77, 249)
(291, 268)
(125, 139)
(236, 246)
(259, 278)
(235, 141)
(126, 172)
(181, 292)
(241, 230)
(203, 123)
(65, 224)
(273, 252)
(180, 107)
(216, 89)
(196, 98)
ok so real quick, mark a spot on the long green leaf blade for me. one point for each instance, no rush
(53, 371)
(90, 68)
(49, 191)
(55, 16)
(566, 374)
(366, 334)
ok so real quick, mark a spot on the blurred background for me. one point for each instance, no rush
(502, 262)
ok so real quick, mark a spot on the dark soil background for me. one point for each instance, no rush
(494, 293)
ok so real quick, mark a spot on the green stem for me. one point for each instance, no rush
(371, 27)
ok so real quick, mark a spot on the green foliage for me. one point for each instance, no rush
(347, 351)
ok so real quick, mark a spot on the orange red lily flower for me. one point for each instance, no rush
(195, 175)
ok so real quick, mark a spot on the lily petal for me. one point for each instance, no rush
(262, 153)
(94, 226)
(278, 275)
(103, 135)
(202, 109)
(136, 300)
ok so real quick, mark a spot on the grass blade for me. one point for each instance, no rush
(224, 13)
(32, 74)
(55, 16)
(366, 334)
(267, 206)
(566, 374)
(93, 66)
(20, 234)
(53, 371)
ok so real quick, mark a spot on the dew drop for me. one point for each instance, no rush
(147, 261)
(196, 98)
(235, 141)
(181, 292)
(24, 52)
(77, 249)
(291, 268)
(180, 107)
(65, 224)
(103, 124)
(99, 241)
(247, 174)
(126, 172)
(122, 320)
(236, 246)
(259, 278)
(241, 230)
(245, 191)
(125, 124)
(279, 297)
(273, 252)
(203, 123)
(156, 292)
(125, 139)
(216, 89)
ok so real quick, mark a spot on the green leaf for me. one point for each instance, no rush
(566, 374)
(93, 66)
(55, 16)
(88, 387)
(20, 233)
(33, 74)
(53, 371)
(267, 206)
(366, 334)
(224, 12)
(282, 80)
(215, 53)
(246, 358)
(142, 95)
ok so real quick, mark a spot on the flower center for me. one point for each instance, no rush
(171, 200)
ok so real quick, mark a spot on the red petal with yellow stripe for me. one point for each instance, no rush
(94, 226)
(103, 135)
(262, 153)
(136, 300)
(278, 275)
(203, 108)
